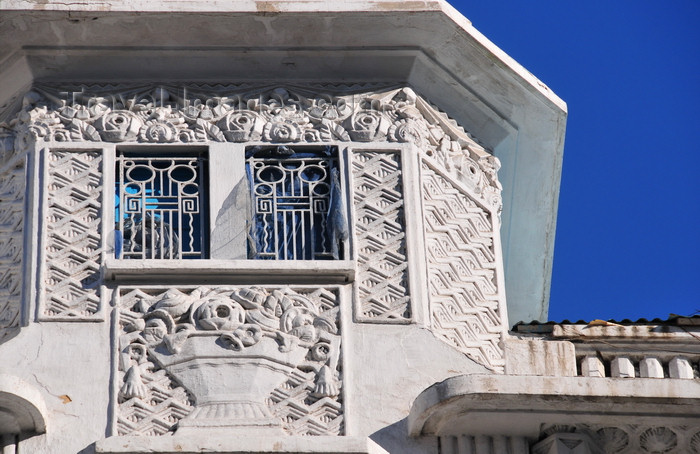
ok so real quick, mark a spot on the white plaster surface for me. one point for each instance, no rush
(398, 363)
(428, 45)
(681, 368)
(69, 365)
(537, 357)
(622, 367)
(651, 368)
(23, 407)
(592, 366)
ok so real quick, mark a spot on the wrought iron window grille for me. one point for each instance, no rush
(159, 206)
(297, 209)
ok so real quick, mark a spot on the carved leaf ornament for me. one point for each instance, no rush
(266, 337)
(278, 115)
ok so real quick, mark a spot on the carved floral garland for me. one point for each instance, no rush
(239, 318)
(279, 115)
(256, 333)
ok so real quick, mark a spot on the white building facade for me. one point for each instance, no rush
(298, 227)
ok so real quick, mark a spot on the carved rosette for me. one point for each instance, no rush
(119, 126)
(271, 340)
(280, 115)
(242, 126)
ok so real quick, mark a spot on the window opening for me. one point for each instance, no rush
(297, 208)
(159, 206)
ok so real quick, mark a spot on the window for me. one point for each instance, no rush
(296, 203)
(288, 204)
(160, 212)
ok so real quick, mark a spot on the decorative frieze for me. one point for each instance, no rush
(380, 231)
(251, 359)
(310, 114)
(462, 269)
(628, 439)
(12, 190)
(73, 235)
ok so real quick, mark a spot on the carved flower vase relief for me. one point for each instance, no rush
(230, 348)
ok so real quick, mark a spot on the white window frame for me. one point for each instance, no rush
(228, 242)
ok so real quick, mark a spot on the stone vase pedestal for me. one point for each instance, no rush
(230, 387)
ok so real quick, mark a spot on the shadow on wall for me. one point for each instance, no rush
(394, 438)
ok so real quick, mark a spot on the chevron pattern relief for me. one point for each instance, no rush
(73, 235)
(302, 413)
(382, 284)
(12, 188)
(157, 414)
(464, 303)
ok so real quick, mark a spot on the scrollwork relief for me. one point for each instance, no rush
(168, 114)
(282, 345)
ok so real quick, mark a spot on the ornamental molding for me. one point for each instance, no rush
(241, 113)
(626, 438)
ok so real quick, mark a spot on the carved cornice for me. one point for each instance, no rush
(295, 114)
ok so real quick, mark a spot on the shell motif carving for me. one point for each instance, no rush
(613, 439)
(695, 443)
(658, 440)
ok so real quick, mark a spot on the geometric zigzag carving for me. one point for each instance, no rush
(461, 262)
(303, 414)
(12, 189)
(382, 284)
(166, 402)
(74, 224)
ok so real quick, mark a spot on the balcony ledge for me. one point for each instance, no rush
(211, 442)
(229, 271)
(519, 405)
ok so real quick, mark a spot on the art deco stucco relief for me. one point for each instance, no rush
(178, 346)
(462, 267)
(73, 240)
(628, 439)
(240, 113)
(245, 358)
(12, 198)
(382, 287)
(298, 114)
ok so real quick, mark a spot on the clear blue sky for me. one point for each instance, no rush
(627, 242)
